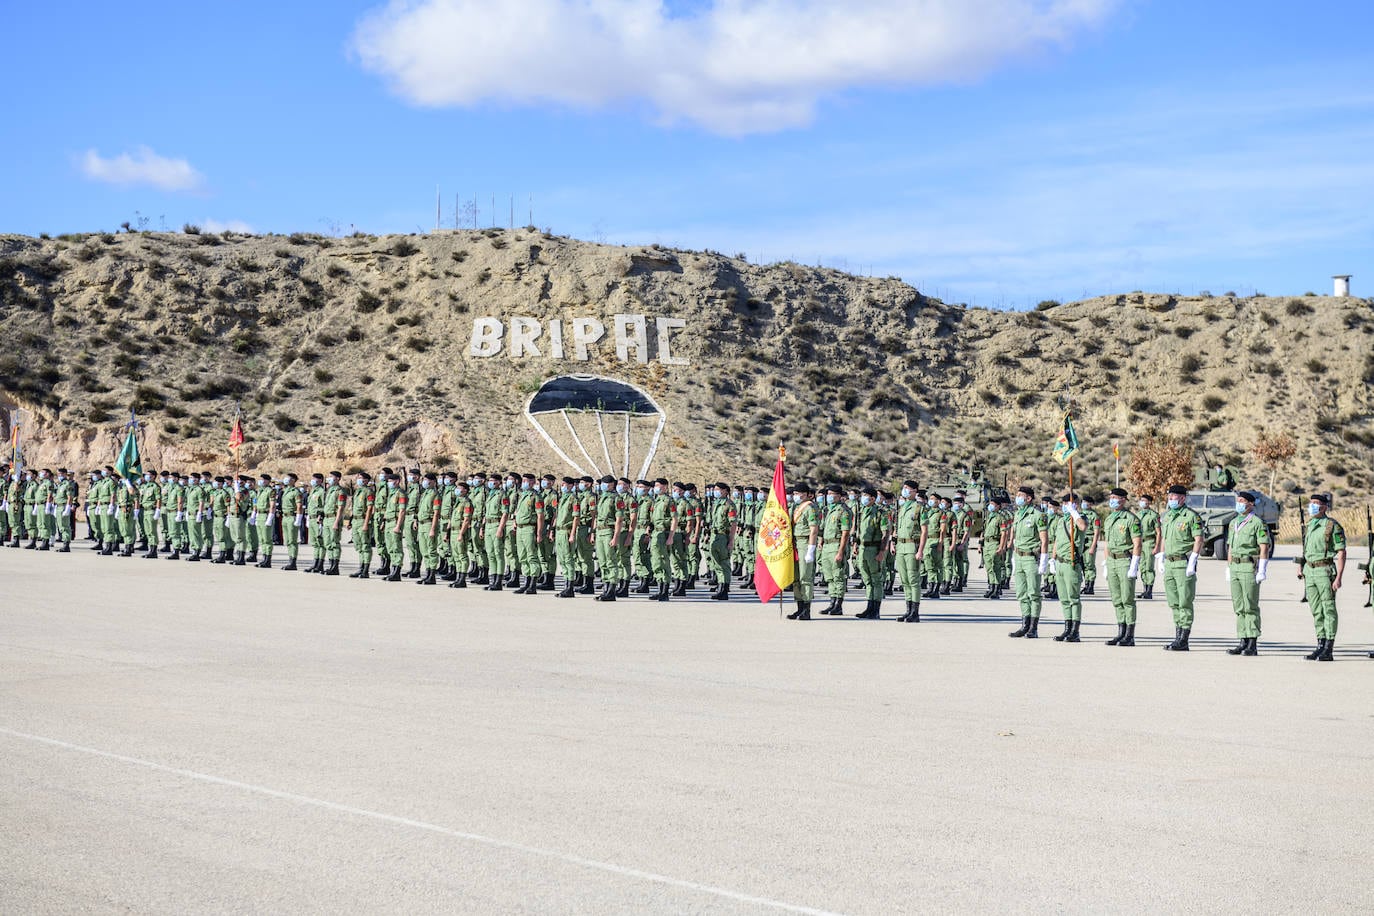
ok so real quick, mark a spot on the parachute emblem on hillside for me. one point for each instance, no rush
(620, 422)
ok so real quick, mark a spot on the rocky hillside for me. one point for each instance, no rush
(357, 351)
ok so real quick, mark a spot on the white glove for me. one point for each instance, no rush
(300, 519)
(252, 518)
(1228, 572)
(137, 513)
(1074, 514)
(181, 517)
(1134, 571)
(4, 505)
(66, 510)
(1191, 572)
(50, 510)
(157, 514)
(271, 517)
(810, 553)
(1159, 563)
(199, 514)
(1044, 563)
(1263, 572)
(1053, 567)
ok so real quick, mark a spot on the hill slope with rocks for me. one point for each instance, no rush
(358, 352)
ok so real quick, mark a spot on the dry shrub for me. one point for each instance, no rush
(1159, 462)
(1273, 452)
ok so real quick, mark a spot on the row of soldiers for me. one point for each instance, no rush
(520, 530)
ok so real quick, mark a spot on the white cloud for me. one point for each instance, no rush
(141, 167)
(231, 225)
(734, 67)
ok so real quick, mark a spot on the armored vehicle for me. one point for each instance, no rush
(1218, 508)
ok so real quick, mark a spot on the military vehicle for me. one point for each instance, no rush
(974, 483)
(1218, 508)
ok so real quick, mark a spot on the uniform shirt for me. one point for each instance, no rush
(412, 503)
(1121, 529)
(909, 521)
(314, 503)
(1323, 538)
(803, 520)
(395, 503)
(838, 522)
(174, 497)
(125, 496)
(497, 504)
(1180, 527)
(723, 516)
(1066, 541)
(527, 506)
(1094, 528)
(427, 503)
(644, 508)
(363, 498)
(477, 499)
(1149, 526)
(962, 525)
(290, 501)
(148, 495)
(262, 501)
(662, 513)
(935, 521)
(333, 493)
(565, 511)
(1245, 536)
(460, 513)
(872, 525)
(219, 502)
(624, 505)
(992, 530)
(243, 500)
(605, 510)
(195, 498)
(1026, 526)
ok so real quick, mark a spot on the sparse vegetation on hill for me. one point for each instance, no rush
(354, 351)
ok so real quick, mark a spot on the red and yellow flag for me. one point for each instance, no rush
(236, 434)
(774, 559)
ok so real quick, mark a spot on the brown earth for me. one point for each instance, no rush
(349, 352)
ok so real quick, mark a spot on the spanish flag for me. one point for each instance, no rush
(774, 559)
(1066, 446)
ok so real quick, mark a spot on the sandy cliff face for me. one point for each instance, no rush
(359, 352)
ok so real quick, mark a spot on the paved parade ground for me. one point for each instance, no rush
(180, 738)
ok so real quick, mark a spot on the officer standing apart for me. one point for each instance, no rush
(1323, 552)
(1068, 535)
(1248, 543)
(1180, 530)
(1029, 540)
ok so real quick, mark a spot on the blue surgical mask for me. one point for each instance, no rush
(491, 485)
(1314, 509)
(525, 485)
(865, 500)
(906, 492)
(1241, 507)
(748, 497)
(1114, 503)
(931, 503)
(1174, 503)
(424, 484)
(620, 488)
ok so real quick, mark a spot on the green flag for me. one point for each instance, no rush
(128, 465)
(1066, 446)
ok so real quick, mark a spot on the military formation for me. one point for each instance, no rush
(616, 538)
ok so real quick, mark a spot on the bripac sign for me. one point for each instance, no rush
(532, 337)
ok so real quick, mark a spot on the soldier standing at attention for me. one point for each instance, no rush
(64, 502)
(264, 514)
(996, 545)
(1247, 541)
(911, 542)
(292, 507)
(460, 532)
(197, 498)
(529, 529)
(496, 514)
(697, 513)
(174, 513)
(1323, 551)
(126, 504)
(607, 530)
(806, 533)
(963, 531)
(443, 541)
(207, 522)
(427, 522)
(239, 507)
(1180, 530)
(314, 510)
(565, 510)
(1029, 540)
(644, 508)
(664, 521)
(1150, 546)
(363, 503)
(410, 527)
(586, 534)
(219, 517)
(1122, 532)
(872, 536)
(723, 530)
(1094, 538)
(838, 528)
(626, 509)
(379, 535)
(1068, 537)
(393, 523)
(511, 545)
(149, 497)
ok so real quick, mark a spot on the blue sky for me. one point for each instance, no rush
(994, 152)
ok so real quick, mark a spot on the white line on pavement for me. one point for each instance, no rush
(610, 867)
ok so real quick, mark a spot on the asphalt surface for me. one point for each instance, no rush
(180, 738)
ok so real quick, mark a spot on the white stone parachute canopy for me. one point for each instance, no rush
(597, 425)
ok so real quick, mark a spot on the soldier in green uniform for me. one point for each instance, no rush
(239, 507)
(836, 531)
(607, 532)
(197, 504)
(1121, 531)
(935, 521)
(663, 519)
(871, 531)
(910, 537)
(961, 531)
(335, 498)
(586, 534)
(126, 504)
(174, 514)
(1094, 539)
(1150, 546)
(1248, 544)
(393, 524)
(443, 541)
(166, 516)
(362, 504)
(681, 546)
(644, 504)
(1067, 540)
(1180, 532)
(477, 552)
(262, 518)
(5, 480)
(460, 526)
(64, 504)
(722, 527)
(427, 516)
(291, 505)
(410, 527)
(528, 518)
(806, 537)
(511, 545)
(250, 524)
(496, 515)
(996, 545)
(1323, 567)
(564, 534)
(219, 520)
(1030, 560)
(207, 521)
(627, 514)
(149, 500)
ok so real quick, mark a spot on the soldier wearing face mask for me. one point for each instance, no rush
(1248, 545)
(1180, 531)
(1323, 567)
(1121, 530)
(1030, 559)
(1149, 545)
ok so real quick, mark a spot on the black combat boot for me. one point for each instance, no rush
(252, 557)
(588, 586)
(623, 591)
(333, 569)
(1087, 588)
(662, 594)
(290, 565)
(512, 577)
(722, 593)
(1173, 646)
(193, 557)
(795, 615)
(607, 592)
(1146, 592)
(395, 574)
(1129, 638)
(414, 571)
(264, 563)
(152, 553)
(45, 545)
(1034, 631)
(837, 609)
(1317, 652)
(450, 574)
(944, 588)
(680, 590)
(568, 590)
(523, 585)
(1073, 632)
(128, 550)
(98, 545)
(383, 569)
(238, 559)
(871, 612)
(1025, 628)
(1183, 639)
(459, 581)
(1251, 646)
(913, 614)
(1068, 628)
(643, 587)
(360, 572)
(1120, 635)
(428, 578)
(805, 611)
(1326, 652)
(480, 579)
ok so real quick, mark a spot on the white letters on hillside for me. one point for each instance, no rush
(630, 336)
